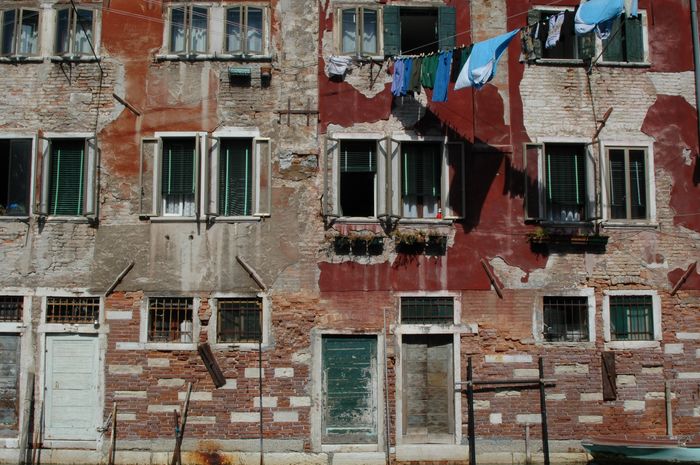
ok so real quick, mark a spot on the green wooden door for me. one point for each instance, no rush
(349, 389)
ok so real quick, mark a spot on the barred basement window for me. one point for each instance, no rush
(72, 310)
(565, 319)
(427, 310)
(631, 318)
(11, 308)
(239, 320)
(170, 319)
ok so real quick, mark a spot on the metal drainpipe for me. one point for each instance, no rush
(696, 56)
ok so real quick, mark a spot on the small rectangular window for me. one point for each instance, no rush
(565, 319)
(15, 168)
(74, 31)
(11, 308)
(236, 177)
(421, 170)
(627, 183)
(72, 310)
(631, 318)
(358, 177)
(189, 29)
(427, 310)
(170, 319)
(359, 31)
(20, 32)
(178, 176)
(239, 320)
(245, 30)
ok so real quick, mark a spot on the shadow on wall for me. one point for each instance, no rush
(696, 172)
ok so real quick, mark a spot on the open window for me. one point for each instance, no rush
(15, 176)
(19, 32)
(569, 46)
(247, 30)
(75, 30)
(188, 29)
(558, 183)
(69, 177)
(413, 30)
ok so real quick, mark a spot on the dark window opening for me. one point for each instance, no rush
(427, 310)
(358, 174)
(566, 47)
(627, 184)
(631, 318)
(73, 310)
(566, 319)
(420, 180)
(179, 176)
(239, 320)
(236, 177)
(15, 167)
(170, 319)
(11, 308)
(566, 182)
(419, 30)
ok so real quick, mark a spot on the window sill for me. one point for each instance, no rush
(426, 221)
(12, 327)
(212, 57)
(559, 62)
(358, 220)
(239, 346)
(625, 64)
(78, 328)
(364, 59)
(68, 219)
(235, 219)
(436, 328)
(75, 59)
(341, 448)
(18, 219)
(587, 345)
(21, 59)
(629, 225)
(173, 219)
(170, 346)
(625, 345)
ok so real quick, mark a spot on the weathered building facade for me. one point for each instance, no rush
(186, 173)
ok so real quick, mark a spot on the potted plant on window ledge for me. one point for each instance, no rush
(410, 242)
(436, 244)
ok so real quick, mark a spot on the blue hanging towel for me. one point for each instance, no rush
(397, 82)
(481, 64)
(442, 77)
(407, 67)
(598, 15)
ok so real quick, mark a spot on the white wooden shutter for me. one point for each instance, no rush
(383, 190)
(331, 178)
(211, 176)
(197, 175)
(263, 176)
(453, 186)
(44, 179)
(91, 182)
(590, 165)
(395, 177)
(149, 179)
(533, 170)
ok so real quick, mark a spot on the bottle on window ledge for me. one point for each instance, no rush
(439, 214)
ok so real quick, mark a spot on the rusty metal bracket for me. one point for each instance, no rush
(308, 112)
(684, 278)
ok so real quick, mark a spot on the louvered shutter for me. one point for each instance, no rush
(616, 182)
(263, 176)
(148, 181)
(613, 46)
(332, 177)
(392, 30)
(533, 186)
(453, 191)
(383, 184)
(447, 25)
(634, 39)
(637, 177)
(565, 183)
(91, 182)
(178, 167)
(235, 177)
(67, 177)
(358, 157)
(534, 17)
(211, 176)
(44, 177)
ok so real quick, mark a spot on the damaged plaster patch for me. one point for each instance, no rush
(681, 84)
(296, 166)
(687, 156)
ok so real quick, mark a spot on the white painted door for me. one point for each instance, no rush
(71, 409)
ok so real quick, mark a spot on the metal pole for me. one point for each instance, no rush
(387, 433)
(470, 411)
(669, 416)
(543, 411)
(260, 388)
(696, 55)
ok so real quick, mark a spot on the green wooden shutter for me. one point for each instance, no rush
(586, 46)
(534, 17)
(531, 181)
(178, 166)
(349, 389)
(235, 177)
(613, 47)
(634, 39)
(392, 30)
(617, 188)
(358, 157)
(67, 171)
(637, 177)
(447, 26)
(566, 181)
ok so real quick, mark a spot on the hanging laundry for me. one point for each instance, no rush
(427, 76)
(459, 58)
(442, 77)
(527, 47)
(555, 24)
(338, 66)
(397, 82)
(407, 69)
(598, 15)
(414, 80)
(483, 61)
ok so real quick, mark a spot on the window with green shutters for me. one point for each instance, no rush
(420, 179)
(67, 177)
(15, 169)
(358, 177)
(627, 184)
(631, 318)
(178, 176)
(235, 177)
(626, 41)
(413, 30)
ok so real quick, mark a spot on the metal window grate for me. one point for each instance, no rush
(239, 320)
(11, 308)
(631, 318)
(73, 310)
(426, 310)
(170, 319)
(566, 319)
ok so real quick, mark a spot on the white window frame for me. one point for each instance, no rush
(91, 185)
(317, 444)
(265, 52)
(380, 193)
(213, 327)
(19, 14)
(22, 329)
(538, 316)
(456, 328)
(51, 20)
(590, 166)
(645, 41)
(32, 171)
(168, 346)
(262, 169)
(656, 316)
(448, 215)
(168, 46)
(359, 30)
(648, 147)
